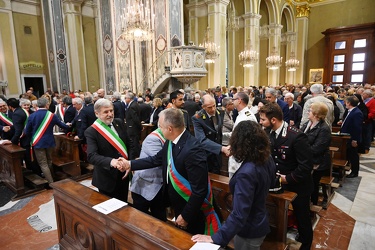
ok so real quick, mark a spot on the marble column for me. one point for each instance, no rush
(274, 47)
(290, 51)
(302, 30)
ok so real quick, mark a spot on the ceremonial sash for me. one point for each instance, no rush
(111, 137)
(27, 116)
(62, 112)
(159, 134)
(183, 188)
(42, 128)
(6, 119)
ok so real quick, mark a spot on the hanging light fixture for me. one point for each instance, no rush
(232, 21)
(135, 21)
(292, 63)
(212, 50)
(248, 57)
(274, 61)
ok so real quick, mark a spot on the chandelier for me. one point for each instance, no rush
(135, 21)
(212, 50)
(248, 57)
(274, 61)
(233, 21)
(292, 64)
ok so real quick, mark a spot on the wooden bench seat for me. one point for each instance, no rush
(62, 161)
(66, 155)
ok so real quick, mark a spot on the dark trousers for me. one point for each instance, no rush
(156, 205)
(367, 135)
(134, 147)
(316, 176)
(121, 189)
(301, 208)
(353, 157)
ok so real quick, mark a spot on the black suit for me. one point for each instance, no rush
(69, 114)
(134, 128)
(7, 135)
(119, 109)
(155, 116)
(191, 107)
(88, 117)
(190, 161)
(144, 111)
(295, 114)
(100, 153)
(210, 136)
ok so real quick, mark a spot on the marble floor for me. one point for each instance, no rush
(348, 223)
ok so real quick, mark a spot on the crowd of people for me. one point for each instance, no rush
(266, 132)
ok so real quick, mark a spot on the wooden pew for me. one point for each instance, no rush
(277, 205)
(146, 130)
(82, 227)
(66, 155)
(11, 171)
(339, 160)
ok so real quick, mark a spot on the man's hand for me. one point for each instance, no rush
(124, 166)
(76, 137)
(226, 150)
(283, 178)
(181, 223)
(6, 128)
(202, 238)
(291, 123)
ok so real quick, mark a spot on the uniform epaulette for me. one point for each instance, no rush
(293, 129)
(247, 113)
(200, 114)
(183, 111)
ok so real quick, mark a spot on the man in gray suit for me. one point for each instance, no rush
(146, 184)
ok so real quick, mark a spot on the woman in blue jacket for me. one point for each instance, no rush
(248, 221)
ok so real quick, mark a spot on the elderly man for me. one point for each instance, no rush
(106, 150)
(240, 101)
(118, 105)
(133, 125)
(185, 175)
(40, 128)
(101, 93)
(295, 110)
(228, 121)
(317, 93)
(6, 123)
(208, 124)
(271, 95)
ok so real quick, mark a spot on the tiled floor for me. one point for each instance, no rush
(348, 223)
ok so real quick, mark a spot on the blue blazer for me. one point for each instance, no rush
(285, 108)
(35, 119)
(19, 117)
(88, 117)
(249, 217)
(353, 125)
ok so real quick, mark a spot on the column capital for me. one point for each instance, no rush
(303, 10)
(72, 6)
(225, 2)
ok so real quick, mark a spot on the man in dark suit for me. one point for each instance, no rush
(271, 96)
(118, 106)
(181, 157)
(191, 106)
(133, 125)
(295, 110)
(177, 100)
(144, 109)
(208, 124)
(6, 123)
(88, 116)
(292, 156)
(70, 111)
(352, 125)
(106, 149)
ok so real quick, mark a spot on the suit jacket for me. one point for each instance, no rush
(69, 114)
(353, 125)
(119, 109)
(7, 135)
(144, 111)
(190, 161)
(191, 107)
(285, 108)
(292, 156)
(132, 117)
(155, 116)
(88, 117)
(19, 120)
(148, 183)
(295, 114)
(77, 124)
(100, 153)
(35, 119)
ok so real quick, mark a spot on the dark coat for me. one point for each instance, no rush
(155, 115)
(295, 114)
(7, 135)
(133, 121)
(144, 111)
(100, 153)
(69, 114)
(319, 138)
(285, 108)
(190, 161)
(191, 107)
(19, 121)
(353, 125)
(88, 117)
(119, 109)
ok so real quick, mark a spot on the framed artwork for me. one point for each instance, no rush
(316, 75)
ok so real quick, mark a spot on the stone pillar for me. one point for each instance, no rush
(302, 29)
(75, 43)
(274, 46)
(290, 50)
(251, 74)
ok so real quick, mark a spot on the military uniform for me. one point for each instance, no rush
(292, 155)
(209, 133)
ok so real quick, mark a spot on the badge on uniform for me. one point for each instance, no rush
(283, 156)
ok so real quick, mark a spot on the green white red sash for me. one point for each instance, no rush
(157, 132)
(111, 137)
(42, 128)
(62, 112)
(27, 116)
(183, 188)
(6, 119)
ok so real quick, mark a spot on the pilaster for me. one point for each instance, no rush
(274, 47)
(302, 29)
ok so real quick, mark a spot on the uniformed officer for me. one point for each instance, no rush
(208, 124)
(240, 101)
(292, 155)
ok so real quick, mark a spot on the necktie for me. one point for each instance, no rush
(273, 137)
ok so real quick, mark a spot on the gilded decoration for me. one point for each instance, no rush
(303, 10)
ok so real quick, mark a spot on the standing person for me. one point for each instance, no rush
(319, 137)
(248, 221)
(208, 125)
(292, 156)
(271, 95)
(295, 110)
(146, 186)
(40, 129)
(228, 121)
(133, 125)
(185, 176)
(6, 123)
(352, 125)
(240, 101)
(106, 150)
(177, 100)
(70, 111)
(118, 106)
(368, 121)
(144, 110)
(157, 108)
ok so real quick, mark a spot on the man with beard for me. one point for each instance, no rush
(176, 98)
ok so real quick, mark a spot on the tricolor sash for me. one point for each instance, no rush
(62, 112)
(6, 119)
(111, 137)
(42, 128)
(183, 188)
(157, 132)
(27, 116)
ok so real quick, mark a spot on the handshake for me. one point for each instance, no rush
(121, 164)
